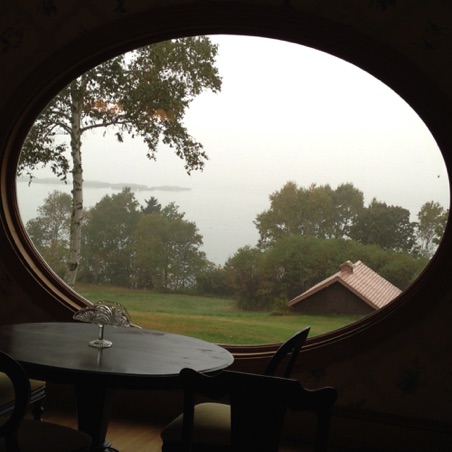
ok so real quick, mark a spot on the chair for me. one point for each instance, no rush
(37, 396)
(291, 348)
(26, 435)
(212, 421)
(258, 406)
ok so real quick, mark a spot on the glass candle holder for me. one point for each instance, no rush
(103, 313)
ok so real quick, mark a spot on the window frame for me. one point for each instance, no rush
(159, 24)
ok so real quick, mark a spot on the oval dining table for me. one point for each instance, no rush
(139, 359)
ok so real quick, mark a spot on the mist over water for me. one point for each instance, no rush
(224, 217)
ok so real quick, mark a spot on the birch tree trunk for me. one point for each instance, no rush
(77, 188)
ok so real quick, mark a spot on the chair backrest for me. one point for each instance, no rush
(37, 397)
(290, 349)
(258, 406)
(21, 385)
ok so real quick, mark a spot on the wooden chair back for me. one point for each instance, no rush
(37, 397)
(258, 406)
(21, 385)
(27, 435)
(290, 350)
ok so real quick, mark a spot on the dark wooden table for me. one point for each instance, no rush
(138, 359)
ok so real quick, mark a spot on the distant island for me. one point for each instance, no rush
(97, 184)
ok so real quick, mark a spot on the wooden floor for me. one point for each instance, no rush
(131, 435)
(124, 435)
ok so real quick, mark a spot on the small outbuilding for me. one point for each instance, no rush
(355, 290)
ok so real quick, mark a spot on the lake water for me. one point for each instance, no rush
(224, 216)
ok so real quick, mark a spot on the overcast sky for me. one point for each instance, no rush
(290, 113)
(287, 112)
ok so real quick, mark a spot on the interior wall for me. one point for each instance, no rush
(397, 363)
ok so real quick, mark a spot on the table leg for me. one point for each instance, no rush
(93, 412)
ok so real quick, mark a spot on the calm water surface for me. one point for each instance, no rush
(224, 216)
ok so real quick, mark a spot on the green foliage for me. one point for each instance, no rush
(49, 231)
(324, 213)
(152, 205)
(243, 274)
(296, 263)
(318, 211)
(157, 248)
(107, 240)
(126, 247)
(166, 251)
(149, 251)
(389, 227)
(212, 280)
(432, 219)
(279, 306)
(143, 94)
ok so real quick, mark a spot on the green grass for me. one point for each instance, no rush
(212, 319)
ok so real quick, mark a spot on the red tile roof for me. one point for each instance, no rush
(368, 285)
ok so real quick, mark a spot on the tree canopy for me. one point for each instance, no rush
(155, 247)
(144, 93)
(325, 213)
(49, 231)
(166, 250)
(296, 263)
(317, 211)
(432, 219)
(108, 231)
(124, 244)
(389, 227)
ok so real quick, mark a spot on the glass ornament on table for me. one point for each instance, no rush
(103, 313)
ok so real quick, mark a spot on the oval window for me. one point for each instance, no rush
(234, 188)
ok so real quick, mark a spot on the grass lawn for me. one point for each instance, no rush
(212, 319)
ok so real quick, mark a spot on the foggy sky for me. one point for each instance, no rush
(289, 113)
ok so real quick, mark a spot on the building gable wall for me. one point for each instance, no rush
(334, 299)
